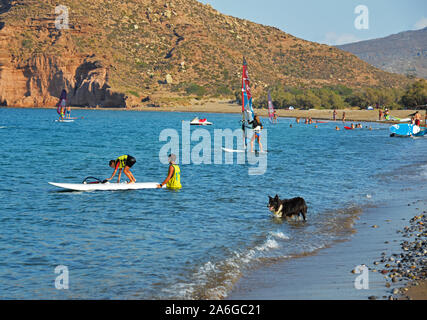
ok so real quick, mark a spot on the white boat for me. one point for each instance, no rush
(105, 186)
(200, 122)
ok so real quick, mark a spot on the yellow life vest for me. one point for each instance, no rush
(122, 161)
(175, 181)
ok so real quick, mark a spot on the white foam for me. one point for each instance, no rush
(269, 244)
(280, 235)
(224, 272)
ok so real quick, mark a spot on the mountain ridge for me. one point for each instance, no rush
(148, 52)
(404, 52)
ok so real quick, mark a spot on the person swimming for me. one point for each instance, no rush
(124, 163)
(173, 180)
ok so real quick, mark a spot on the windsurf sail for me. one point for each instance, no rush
(270, 108)
(247, 110)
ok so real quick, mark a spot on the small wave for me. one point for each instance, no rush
(2, 127)
(214, 280)
(280, 235)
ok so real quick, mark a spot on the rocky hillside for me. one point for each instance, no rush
(135, 52)
(404, 53)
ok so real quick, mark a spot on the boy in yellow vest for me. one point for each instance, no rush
(173, 180)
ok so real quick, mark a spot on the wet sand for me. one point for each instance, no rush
(418, 292)
(329, 273)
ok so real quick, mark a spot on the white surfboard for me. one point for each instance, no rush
(240, 151)
(65, 120)
(233, 151)
(105, 186)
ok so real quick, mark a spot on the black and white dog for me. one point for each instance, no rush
(288, 207)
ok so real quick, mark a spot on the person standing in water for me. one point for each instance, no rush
(417, 119)
(257, 127)
(173, 180)
(124, 163)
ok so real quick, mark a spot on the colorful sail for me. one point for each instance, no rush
(270, 107)
(246, 93)
(247, 110)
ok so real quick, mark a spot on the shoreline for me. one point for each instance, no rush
(225, 107)
(379, 242)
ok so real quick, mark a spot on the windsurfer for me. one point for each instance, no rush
(257, 127)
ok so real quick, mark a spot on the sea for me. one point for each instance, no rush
(194, 243)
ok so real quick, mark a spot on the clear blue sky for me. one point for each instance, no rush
(329, 21)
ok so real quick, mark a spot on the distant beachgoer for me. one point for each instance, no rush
(173, 180)
(380, 114)
(297, 120)
(274, 116)
(337, 128)
(343, 117)
(316, 126)
(352, 126)
(310, 121)
(386, 114)
(417, 118)
(124, 163)
(290, 126)
(334, 115)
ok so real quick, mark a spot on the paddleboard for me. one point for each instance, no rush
(421, 133)
(241, 151)
(65, 120)
(404, 129)
(231, 150)
(105, 186)
(348, 128)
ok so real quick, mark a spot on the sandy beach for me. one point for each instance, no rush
(329, 274)
(225, 106)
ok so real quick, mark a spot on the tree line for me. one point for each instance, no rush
(342, 97)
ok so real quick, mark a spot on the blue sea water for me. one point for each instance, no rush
(188, 244)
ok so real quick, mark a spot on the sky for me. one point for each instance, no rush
(331, 22)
